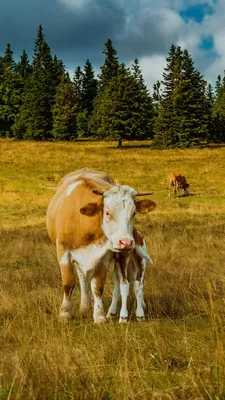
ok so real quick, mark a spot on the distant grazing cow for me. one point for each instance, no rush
(90, 219)
(178, 180)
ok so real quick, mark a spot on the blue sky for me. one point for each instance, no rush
(77, 30)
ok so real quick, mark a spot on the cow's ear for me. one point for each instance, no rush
(91, 209)
(144, 206)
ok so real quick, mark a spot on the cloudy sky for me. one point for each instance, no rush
(77, 30)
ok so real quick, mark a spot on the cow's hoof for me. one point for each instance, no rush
(140, 319)
(84, 311)
(100, 319)
(65, 316)
(123, 320)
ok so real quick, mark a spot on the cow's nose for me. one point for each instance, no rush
(126, 243)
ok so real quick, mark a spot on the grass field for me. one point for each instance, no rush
(178, 353)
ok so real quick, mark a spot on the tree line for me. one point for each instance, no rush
(40, 101)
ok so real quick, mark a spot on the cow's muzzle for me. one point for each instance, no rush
(124, 244)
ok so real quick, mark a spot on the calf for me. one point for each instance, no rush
(130, 269)
(178, 180)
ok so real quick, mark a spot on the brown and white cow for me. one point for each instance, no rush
(178, 180)
(90, 219)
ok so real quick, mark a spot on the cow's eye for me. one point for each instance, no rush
(107, 213)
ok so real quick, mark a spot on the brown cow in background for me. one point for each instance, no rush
(178, 180)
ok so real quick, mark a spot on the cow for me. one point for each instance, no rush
(131, 268)
(178, 180)
(90, 218)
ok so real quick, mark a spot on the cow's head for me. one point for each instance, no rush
(119, 206)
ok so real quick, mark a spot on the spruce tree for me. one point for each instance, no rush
(108, 72)
(122, 113)
(110, 67)
(142, 104)
(89, 88)
(34, 120)
(167, 122)
(10, 85)
(64, 111)
(184, 114)
(78, 84)
(219, 110)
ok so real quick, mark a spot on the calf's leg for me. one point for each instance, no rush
(116, 294)
(122, 266)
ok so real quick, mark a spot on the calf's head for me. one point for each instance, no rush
(119, 207)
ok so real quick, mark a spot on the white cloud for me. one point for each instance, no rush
(150, 27)
(152, 69)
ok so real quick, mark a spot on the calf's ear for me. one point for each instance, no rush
(145, 206)
(91, 209)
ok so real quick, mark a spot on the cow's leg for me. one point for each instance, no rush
(68, 279)
(85, 301)
(175, 189)
(124, 285)
(116, 294)
(97, 287)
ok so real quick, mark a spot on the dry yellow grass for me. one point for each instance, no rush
(178, 353)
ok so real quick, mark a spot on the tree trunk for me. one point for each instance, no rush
(119, 145)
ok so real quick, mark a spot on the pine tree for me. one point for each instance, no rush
(219, 110)
(110, 67)
(143, 104)
(10, 85)
(64, 111)
(184, 115)
(167, 122)
(23, 67)
(34, 120)
(89, 88)
(78, 84)
(122, 113)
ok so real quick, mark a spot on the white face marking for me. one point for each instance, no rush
(118, 215)
(72, 187)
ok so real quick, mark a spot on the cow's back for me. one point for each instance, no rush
(64, 220)
(176, 177)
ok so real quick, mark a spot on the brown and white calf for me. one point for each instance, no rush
(178, 180)
(130, 269)
(90, 219)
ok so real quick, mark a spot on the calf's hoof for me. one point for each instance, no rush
(140, 319)
(123, 320)
(84, 311)
(110, 315)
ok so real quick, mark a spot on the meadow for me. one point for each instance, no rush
(178, 352)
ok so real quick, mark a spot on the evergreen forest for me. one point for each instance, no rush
(39, 100)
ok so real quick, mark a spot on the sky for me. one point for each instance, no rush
(77, 30)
